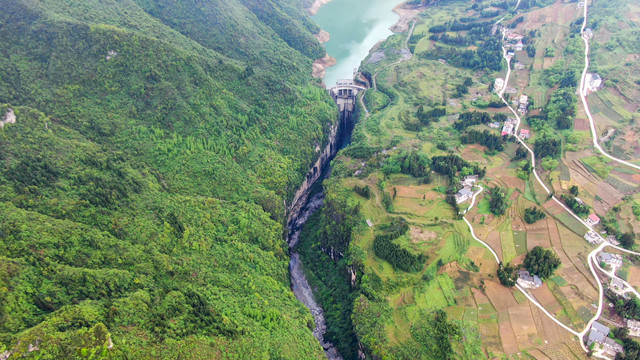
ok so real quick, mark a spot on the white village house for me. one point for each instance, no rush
(526, 280)
(634, 327)
(593, 220)
(593, 81)
(618, 287)
(610, 259)
(464, 194)
(592, 237)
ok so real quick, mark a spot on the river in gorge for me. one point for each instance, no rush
(355, 26)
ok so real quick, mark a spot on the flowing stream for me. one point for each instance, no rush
(355, 27)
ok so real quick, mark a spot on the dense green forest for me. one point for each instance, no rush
(143, 186)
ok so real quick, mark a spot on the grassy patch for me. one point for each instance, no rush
(520, 239)
(483, 207)
(471, 315)
(559, 280)
(486, 309)
(572, 223)
(520, 298)
(597, 165)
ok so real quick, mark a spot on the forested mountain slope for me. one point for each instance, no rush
(143, 185)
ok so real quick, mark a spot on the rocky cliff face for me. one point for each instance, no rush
(329, 151)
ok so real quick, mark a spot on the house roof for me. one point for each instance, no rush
(600, 328)
(594, 218)
(537, 280)
(596, 336)
(524, 132)
(465, 192)
(633, 323)
(617, 283)
(605, 256)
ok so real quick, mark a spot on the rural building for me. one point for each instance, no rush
(469, 180)
(593, 220)
(464, 194)
(519, 66)
(510, 53)
(598, 333)
(634, 327)
(611, 239)
(593, 81)
(523, 104)
(369, 223)
(513, 37)
(507, 129)
(499, 83)
(494, 125)
(524, 134)
(612, 347)
(519, 46)
(592, 237)
(611, 259)
(526, 280)
(588, 33)
(618, 287)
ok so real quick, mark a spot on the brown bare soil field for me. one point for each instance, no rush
(547, 329)
(501, 297)
(479, 296)
(553, 207)
(567, 350)
(537, 239)
(538, 355)
(554, 236)
(415, 192)
(557, 13)
(546, 299)
(523, 325)
(473, 152)
(634, 276)
(494, 241)
(631, 178)
(581, 124)
(507, 336)
(419, 235)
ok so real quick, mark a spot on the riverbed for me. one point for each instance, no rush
(355, 26)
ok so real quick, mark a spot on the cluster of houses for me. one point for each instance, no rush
(466, 192)
(613, 260)
(526, 280)
(599, 334)
(513, 40)
(507, 128)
